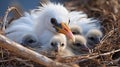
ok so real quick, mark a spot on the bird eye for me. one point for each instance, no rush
(53, 21)
(91, 38)
(30, 41)
(52, 44)
(69, 22)
(62, 44)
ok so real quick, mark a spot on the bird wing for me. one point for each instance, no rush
(19, 27)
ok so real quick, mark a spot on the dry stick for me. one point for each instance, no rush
(27, 53)
(104, 54)
(106, 36)
(103, 40)
(6, 15)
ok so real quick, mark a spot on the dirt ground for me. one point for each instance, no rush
(108, 12)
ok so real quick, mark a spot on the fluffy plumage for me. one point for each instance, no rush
(30, 40)
(93, 37)
(58, 46)
(47, 18)
(81, 19)
(46, 21)
(79, 46)
(20, 27)
(76, 30)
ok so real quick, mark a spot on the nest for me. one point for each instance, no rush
(107, 53)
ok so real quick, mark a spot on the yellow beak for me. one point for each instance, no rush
(66, 31)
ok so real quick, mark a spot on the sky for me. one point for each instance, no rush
(25, 4)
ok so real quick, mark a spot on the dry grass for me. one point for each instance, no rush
(108, 11)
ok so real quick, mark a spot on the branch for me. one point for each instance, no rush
(81, 58)
(27, 53)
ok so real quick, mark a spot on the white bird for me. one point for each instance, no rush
(76, 30)
(57, 46)
(51, 19)
(93, 37)
(79, 46)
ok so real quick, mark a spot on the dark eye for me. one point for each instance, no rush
(53, 21)
(91, 38)
(62, 44)
(78, 44)
(52, 44)
(69, 22)
(31, 41)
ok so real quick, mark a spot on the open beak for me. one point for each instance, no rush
(66, 30)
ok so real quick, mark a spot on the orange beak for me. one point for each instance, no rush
(66, 30)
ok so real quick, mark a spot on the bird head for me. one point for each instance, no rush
(58, 43)
(30, 40)
(94, 36)
(55, 18)
(79, 45)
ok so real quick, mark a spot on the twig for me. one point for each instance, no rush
(27, 53)
(6, 15)
(106, 36)
(93, 57)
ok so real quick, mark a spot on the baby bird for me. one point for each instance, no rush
(93, 37)
(30, 40)
(79, 46)
(58, 46)
(76, 30)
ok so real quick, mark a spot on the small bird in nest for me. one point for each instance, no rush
(78, 47)
(30, 40)
(93, 37)
(58, 46)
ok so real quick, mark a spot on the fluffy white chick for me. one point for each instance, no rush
(79, 47)
(58, 46)
(93, 37)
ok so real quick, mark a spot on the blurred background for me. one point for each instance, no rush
(25, 4)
